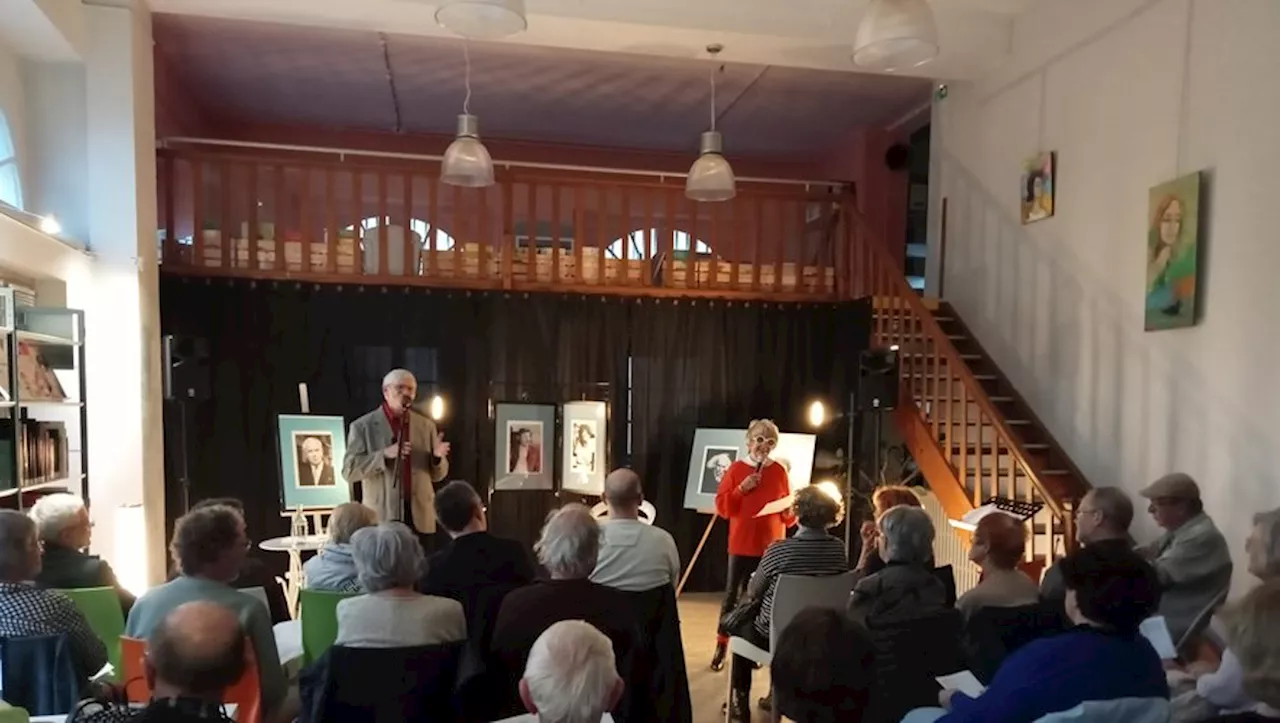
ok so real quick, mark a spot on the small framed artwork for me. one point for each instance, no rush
(1038, 186)
(1173, 254)
(715, 449)
(585, 446)
(311, 447)
(524, 446)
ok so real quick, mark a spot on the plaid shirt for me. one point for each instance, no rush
(28, 611)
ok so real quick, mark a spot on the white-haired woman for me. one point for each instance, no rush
(388, 562)
(906, 589)
(1253, 630)
(334, 569)
(747, 486)
(1223, 688)
(65, 530)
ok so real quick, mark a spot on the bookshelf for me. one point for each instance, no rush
(43, 419)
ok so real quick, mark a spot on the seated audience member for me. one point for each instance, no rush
(1103, 518)
(570, 676)
(824, 669)
(1104, 659)
(568, 549)
(65, 529)
(389, 561)
(333, 569)
(253, 572)
(208, 549)
(1191, 558)
(193, 656)
(810, 551)
(998, 544)
(473, 558)
(1222, 689)
(28, 611)
(883, 499)
(1253, 631)
(906, 588)
(634, 556)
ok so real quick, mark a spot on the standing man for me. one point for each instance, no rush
(398, 471)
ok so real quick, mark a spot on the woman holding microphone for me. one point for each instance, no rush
(747, 486)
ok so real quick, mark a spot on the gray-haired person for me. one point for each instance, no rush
(376, 451)
(64, 526)
(392, 614)
(906, 589)
(570, 676)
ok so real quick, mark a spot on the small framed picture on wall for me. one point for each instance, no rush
(524, 446)
(585, 447)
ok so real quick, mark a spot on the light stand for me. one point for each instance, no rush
(854, 426)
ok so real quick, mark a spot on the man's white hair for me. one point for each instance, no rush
(570, 543)
(571, 673)
(396, 376)
(55, 513)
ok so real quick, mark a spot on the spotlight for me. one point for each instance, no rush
(830, 489)
(50, 225)
(435, 408)
(817, 413)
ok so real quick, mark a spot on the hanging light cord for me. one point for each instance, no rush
(466, 57)
(713, 98)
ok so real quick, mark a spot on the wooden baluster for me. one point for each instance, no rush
(964, 431)
(935, 407)
(330, 224)
(306, 230)
(666, 236)
(484, 228)
(251, 239)
(624, 271)
(464, 219)
(778, 244)
(460, 239)
(197, 209)
(411, 254)
(995, 465)
(281, 259)
(980, 454)
(357, 221)
(1013, 479)
(383, 221)
(734, 232)
(225, 236)
(433, 217)
(508, 233)
(716, 244)
(555, 233)
(757, 233)
(649, 265)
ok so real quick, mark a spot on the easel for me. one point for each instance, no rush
(698, 551)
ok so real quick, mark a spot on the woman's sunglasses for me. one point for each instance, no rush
(762, 440)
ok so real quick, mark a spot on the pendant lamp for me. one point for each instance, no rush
(711, 177)
(466, 161)
(896, 35)
(483, 19)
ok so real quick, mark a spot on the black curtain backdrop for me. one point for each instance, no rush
(693, 364)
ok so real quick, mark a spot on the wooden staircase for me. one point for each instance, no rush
(970, 431)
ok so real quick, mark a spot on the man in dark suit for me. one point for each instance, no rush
(474, 560)
(65, 529)
(314, 470)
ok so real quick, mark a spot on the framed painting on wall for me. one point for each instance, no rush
(311, 447)
(1173, 253)
(524, 446)
(585, 446)
(1039, 183)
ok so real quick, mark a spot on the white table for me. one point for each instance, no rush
(294, 546)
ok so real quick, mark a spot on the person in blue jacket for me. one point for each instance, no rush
(1104, 658)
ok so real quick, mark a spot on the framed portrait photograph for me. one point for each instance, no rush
(715, 449)
(311, 452)
(585, 446)
(524, 446)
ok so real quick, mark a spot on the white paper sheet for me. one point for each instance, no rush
(1156, 631)
(970, 521)
(778, 505)
(964, 681)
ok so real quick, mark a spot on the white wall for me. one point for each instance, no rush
(13, 106)
(57, 166)
(1130, 93)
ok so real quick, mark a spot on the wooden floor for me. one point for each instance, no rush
(699, 613)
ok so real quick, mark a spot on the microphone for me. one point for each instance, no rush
(759, 466)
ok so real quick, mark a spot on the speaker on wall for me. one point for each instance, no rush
(897, 157)
(878, 379)
(186, 367)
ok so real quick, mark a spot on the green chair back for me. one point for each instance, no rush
(319, 612)
(101, 608)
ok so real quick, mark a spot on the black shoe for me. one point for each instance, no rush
(717, 660)
(739, 707)
(766, 703)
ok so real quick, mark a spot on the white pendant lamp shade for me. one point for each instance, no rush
(466, 161)
(896, 35)
(483, 19)
(711, 177)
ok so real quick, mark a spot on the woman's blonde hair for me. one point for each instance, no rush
(1253, 632)
(762, 428)
(349, 517)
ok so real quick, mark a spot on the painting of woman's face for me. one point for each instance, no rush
(1037, 188)
(1171, 223)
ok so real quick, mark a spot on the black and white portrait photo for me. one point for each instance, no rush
(582, 454)
(715, 460)
(314, 452)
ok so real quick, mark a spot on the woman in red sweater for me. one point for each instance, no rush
(747, 486)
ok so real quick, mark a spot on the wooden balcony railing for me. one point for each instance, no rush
(983, 452)
(391, 221)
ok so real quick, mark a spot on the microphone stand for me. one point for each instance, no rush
(396, 470)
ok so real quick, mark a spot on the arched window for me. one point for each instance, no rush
(10, 182)
(443, 241)
(681, 244)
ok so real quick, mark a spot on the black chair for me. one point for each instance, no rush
(992, 634)
(910, 654)
(381, 685)
(659, 680)
(947, 576)
(39, 674)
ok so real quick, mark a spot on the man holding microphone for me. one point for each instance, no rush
(398, 456)
(747, 486)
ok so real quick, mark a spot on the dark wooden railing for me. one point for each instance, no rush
(391, 221)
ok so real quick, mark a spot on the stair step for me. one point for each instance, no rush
(929, 355)
(1003, 472)
(986, 448)
(998, 399)
(979, 377)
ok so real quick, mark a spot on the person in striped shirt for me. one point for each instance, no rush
(810, 551)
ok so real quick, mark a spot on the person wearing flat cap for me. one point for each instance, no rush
(1191, 557)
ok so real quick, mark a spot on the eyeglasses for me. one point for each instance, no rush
(764, 441)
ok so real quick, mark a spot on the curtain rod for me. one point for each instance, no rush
(164, 143)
